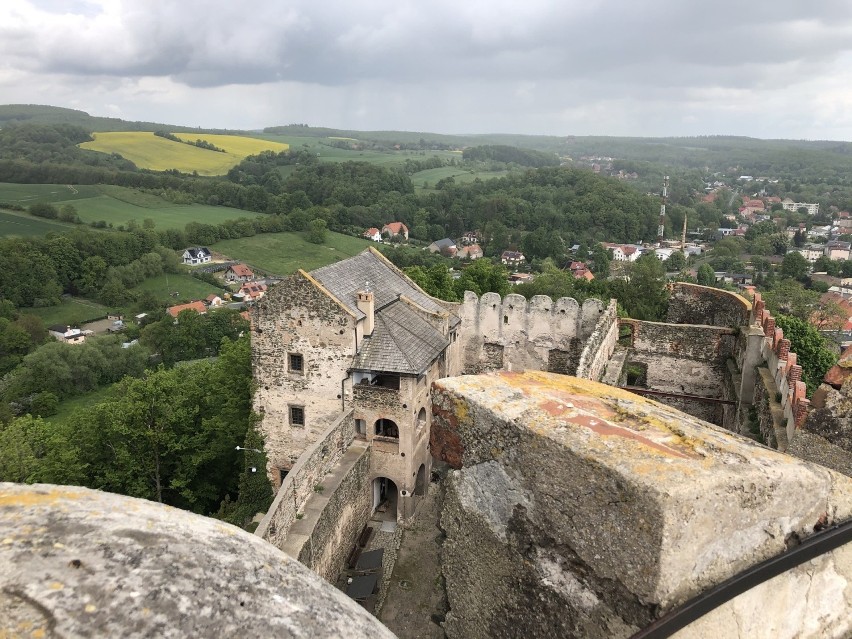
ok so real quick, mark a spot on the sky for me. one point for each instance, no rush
(760, 68)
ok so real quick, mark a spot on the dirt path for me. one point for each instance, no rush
(415, 603)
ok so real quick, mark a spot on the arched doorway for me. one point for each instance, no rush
(385, 498)
(420, 483)
(387, 428)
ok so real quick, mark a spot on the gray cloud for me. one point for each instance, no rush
(537, 65)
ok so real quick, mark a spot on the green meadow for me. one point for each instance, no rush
(115, 205)
(284, 253)
(188, 288)
(72, 310)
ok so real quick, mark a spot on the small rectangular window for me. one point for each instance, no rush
(297, 362)
(297, 415)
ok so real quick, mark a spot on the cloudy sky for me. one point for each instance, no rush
(763, 68)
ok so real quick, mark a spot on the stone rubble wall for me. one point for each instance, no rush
(685, 359)
(308, 472)
(516, 334)
(342, 519)
(695, 304)
(578, 509)
(600, 345)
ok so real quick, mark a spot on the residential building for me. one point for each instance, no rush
(197, 255)
(67, 334)
(252, 291)
(470, 237)
(580, 271)
(213, 301)
(663, 253)
(445, 247)
(811, 252)
(623, 252)
(790, 205)
(395, 228)
(470, 252)
(512, 258)
(837, 250)
(239, 273)
(373, 234)
(197, 306)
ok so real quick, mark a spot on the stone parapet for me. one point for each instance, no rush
(579, 509)
(307, 473)
(600, 345)
(695, 304)
(76, 562)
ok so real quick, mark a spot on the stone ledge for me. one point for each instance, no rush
(76, 562)
(661, 502)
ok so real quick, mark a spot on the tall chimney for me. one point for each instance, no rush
(366, 306)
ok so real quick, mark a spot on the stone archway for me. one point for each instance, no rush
(386, 428)
(385, 498)
(420, 483)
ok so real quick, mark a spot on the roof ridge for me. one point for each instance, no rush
(400, 350)
(410, 332)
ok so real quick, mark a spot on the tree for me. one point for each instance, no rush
(812, 350)
(676, 261)
(482, 276)
(794, 265)
(643, 295)
(790, 297)
(706, 275)
(317, 231)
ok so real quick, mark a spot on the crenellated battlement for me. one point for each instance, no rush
(514, 333)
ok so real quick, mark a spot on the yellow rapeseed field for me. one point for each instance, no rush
(148, 151)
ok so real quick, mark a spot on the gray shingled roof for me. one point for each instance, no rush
(345, 278)
(402, 342)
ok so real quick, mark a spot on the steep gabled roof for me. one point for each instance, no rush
(402, 342)
(345, 278)
(241, 270)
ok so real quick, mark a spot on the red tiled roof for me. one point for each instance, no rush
(396, 228)
(370, 232)
(197, 306)
(241, 270)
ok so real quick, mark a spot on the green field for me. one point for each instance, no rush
(431, 176)
(116, 205)
(284, 253)
(72, 311)
(17, 224)
(188, 288)
(148, 151)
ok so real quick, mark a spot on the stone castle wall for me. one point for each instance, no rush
(296, 317)
(695, 304)
(600, 345)
(582, 510)
(516, 334)
(685, 359)
(309, 471)
(340, 522)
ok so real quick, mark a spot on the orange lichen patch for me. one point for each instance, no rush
(583, 403)
(604, 428)
(33, 498)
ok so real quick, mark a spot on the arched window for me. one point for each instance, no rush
(387, 428)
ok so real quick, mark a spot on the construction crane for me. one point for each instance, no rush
(661, 230)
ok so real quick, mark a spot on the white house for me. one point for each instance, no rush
(623, 252)
(196, 255)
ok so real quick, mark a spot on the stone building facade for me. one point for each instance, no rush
(356, 334)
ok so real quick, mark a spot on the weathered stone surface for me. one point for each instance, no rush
(694, 304)
(582, 510)
(81, 563)
(833, 419)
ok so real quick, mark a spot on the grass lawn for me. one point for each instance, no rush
(72, 311)
(148, 151)
(69, 406)
(190, 288)
(18, 224)
(284, 253)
